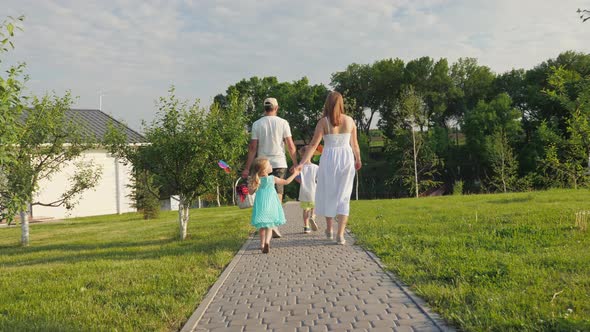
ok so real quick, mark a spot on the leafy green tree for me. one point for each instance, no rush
(409, 144)
(145, 194)
(472, 83)
(480, 127)
(572, 91)
(504, 165)
(46, 140)
(11, 105)
(185, 144)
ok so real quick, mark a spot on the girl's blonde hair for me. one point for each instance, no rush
(254, 179)
(334, 107)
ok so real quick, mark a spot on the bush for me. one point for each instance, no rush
(145, 195)
(458, 188)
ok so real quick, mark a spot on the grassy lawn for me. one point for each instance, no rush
(115, 273)
(488, 262)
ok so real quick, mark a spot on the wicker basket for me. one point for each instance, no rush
(243, 200)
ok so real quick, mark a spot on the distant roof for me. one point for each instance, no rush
(97, 122)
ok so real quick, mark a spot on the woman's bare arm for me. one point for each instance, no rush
(313, 145)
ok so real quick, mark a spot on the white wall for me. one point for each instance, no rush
(99, 200)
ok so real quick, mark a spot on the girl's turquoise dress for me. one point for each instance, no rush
(267, 211)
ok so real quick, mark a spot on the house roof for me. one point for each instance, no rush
(97, 122)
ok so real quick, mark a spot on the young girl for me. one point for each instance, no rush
(267, 211)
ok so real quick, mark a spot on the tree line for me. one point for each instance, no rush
(447, 125)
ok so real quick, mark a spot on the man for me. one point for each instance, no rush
(270, 134)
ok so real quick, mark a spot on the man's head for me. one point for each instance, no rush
(270, 105)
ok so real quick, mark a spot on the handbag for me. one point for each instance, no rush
(243, 198)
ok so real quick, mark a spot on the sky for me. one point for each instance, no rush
(132, 51)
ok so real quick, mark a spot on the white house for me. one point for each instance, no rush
(110, 196)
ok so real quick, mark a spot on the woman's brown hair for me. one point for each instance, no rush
(334, 108)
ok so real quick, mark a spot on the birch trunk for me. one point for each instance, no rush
(415, 162)
(218, 202)
(183, 209)
(24, 222)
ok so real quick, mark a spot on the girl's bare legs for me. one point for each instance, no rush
(262, 233)
(342, 220)
(329, 227)
(268, 236)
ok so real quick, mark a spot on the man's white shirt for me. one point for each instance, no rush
(271, 131)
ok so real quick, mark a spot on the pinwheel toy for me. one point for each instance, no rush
(224, 166)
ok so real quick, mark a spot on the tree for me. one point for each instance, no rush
(491, 129)
(46, 140)
(504, 165)
(572, 91)
(472, 83)
(185, 144)
(409, 143)
(145, 194)
(11, 105)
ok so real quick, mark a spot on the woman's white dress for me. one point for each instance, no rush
(335, 175)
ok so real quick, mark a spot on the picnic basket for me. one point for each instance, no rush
(242, 197)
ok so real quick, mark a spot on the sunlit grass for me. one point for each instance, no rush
(115, 273)
(488, 262)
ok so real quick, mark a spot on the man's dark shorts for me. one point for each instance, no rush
(279, 173)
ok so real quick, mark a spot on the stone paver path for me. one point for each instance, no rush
(309, 283)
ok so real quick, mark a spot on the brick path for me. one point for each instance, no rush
(309, 283)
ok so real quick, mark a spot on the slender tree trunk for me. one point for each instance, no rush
(503, 165)
(183, 209)
(415, 161)
(218, 202)
(24, 222)
(199, 202)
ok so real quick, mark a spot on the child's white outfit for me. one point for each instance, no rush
(309, 179)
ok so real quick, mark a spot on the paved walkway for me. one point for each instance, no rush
(309, 283)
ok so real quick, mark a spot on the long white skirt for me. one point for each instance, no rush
(335, 181)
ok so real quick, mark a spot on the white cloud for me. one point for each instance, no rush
(135, 49)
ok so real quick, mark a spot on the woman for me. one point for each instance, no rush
(340, 158)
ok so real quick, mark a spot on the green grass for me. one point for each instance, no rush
(115, 273)
(520, 265)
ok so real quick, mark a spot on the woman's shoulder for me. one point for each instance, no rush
(348, 118)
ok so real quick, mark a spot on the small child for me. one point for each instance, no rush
(267, 211)
(308, 180)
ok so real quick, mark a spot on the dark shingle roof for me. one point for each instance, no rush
(97, 123)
